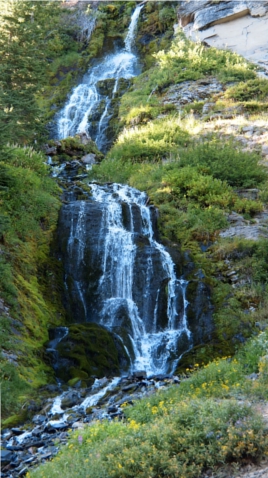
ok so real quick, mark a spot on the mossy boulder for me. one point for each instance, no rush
(73, 147)
(90, 350)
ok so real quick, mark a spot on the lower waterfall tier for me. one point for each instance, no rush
(119, 276)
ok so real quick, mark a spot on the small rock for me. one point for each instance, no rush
(132, 386)
(84, 138)
(78, 425)
(252, 376)
(17, 431)
(23, 472)
(50, 150)
(231, 273)
(39, 419)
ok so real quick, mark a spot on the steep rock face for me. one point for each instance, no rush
(240, 26)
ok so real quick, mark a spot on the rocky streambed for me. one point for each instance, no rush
(71, 409)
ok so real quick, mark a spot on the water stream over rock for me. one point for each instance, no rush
(89, 108)
(118, 275)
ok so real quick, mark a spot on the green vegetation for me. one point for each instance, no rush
(184, 60)
(193, 186)
(186, 430)
(28, 210)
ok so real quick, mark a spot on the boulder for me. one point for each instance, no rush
(89, 158)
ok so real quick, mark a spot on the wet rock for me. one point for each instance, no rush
(7, 456)
(70, 399)
(160, 376)
(112, 409)
(140, 374)
(23, 472)
(39, 419)
(17, 431)
(52, 426)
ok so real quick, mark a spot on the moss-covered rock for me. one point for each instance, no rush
(89, 350)
(73, 147)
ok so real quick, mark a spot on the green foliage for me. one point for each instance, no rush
(260, 261)
(29, 206)
(182, 431)
(193, 186)
(225, 161)
(12, 385)
(90, 350)
(152, 142)
(256, 89)
(183, 60)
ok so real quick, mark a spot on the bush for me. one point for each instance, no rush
(152, 142)
(183, 438)
(225, 161)
(256, 89)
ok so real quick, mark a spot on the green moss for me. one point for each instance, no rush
(14, 420)
(91, 350)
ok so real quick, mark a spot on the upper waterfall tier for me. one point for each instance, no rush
(119, 276)
(89, 107)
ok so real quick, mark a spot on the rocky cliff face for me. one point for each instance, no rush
(240, 26)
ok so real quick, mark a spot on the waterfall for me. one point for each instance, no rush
(155, 346)
(86, 99)
(116, 272)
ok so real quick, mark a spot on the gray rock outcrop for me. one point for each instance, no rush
(246, 32)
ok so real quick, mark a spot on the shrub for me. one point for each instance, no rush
(225, 161)
(256, 89)
(152, 142)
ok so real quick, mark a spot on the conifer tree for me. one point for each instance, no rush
(28, 35)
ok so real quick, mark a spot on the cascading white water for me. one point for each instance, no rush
(86, 98)
(154, 347)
